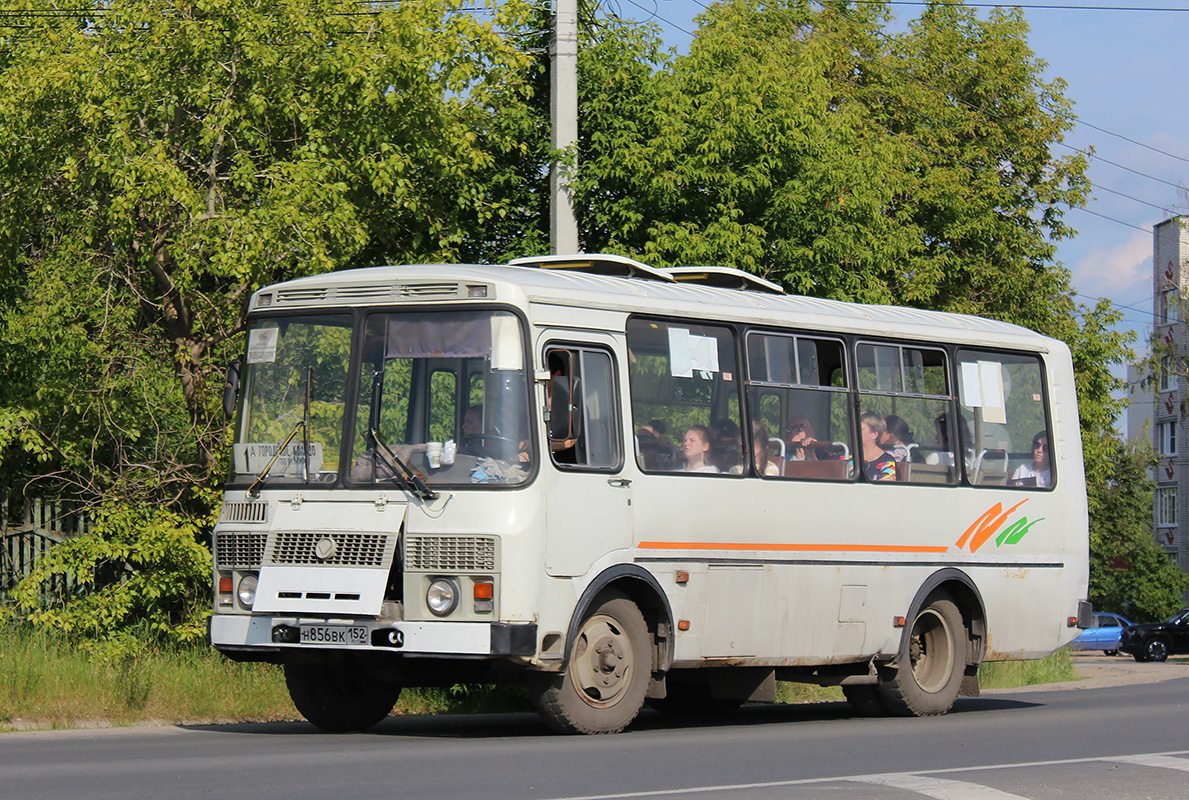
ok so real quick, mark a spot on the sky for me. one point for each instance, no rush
(1124, 76)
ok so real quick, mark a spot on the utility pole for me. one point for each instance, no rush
(563, 116)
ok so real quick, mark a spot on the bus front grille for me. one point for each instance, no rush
(339, 549)
(243, 550)
(450, 553)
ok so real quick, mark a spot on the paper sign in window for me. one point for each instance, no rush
(262, 345)
(982, 387)
(689, 353)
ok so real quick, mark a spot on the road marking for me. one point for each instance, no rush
(940, 788)
(1167, 760)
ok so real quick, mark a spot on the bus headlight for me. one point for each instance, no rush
(442, 597)
(247, 590)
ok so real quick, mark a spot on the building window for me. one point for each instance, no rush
(1167, 441)
(1168, 379)
(1170, 303)
(1166, 506)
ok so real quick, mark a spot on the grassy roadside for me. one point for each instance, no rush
(46, 683)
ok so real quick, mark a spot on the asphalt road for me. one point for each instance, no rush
(1116, 741)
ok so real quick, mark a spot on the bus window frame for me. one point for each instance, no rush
(1046, 402)
(738, 331)
(355, 370)
(616, 397)
(848, 391)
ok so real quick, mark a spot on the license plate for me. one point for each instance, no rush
(332, 635)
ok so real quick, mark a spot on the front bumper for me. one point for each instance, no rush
(243, 634)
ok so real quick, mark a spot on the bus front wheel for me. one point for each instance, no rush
(339, 698)
(603, 685)
(930, 667)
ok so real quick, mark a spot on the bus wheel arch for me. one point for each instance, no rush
(940, 649)
(606, 672)
(639, 586)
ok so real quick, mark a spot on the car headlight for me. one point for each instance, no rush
(247, 590)
(442, 597)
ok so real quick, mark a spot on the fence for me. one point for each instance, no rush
(45, 524)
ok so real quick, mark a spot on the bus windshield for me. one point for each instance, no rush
(443, 394)
(295, 393)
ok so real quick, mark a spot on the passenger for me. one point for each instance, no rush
(799, 444)
(797, 434)
(877, 464)
(896, 438)
(944, 455)
(656, 451)
(696, 449)
(726, 451)
(1038, 473)
(765, 463)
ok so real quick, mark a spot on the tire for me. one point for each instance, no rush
(1110, 652)
(865, 700)
(930, 667)
(341, 698)
(1155, 650)
(606, 676)
(693, 700)
(1141, 657)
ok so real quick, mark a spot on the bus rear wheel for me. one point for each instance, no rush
(603, 684)
(339, 698)
(929, 669)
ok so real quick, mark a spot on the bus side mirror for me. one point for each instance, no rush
(231, 388)
(564, 421)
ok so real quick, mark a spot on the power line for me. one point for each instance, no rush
(1112, 219)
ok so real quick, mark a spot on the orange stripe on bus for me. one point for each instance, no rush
(849, 548)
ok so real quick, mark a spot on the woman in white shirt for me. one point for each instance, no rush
(1038, 472)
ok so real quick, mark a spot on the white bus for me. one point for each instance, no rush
(616, 484)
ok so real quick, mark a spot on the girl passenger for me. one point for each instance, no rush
(696, 449)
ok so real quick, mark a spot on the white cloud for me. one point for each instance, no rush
(1120, 270)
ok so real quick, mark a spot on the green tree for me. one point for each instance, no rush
(1129, 573)
(161, 159)
(809, 146)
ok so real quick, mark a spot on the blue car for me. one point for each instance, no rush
(1103, 635)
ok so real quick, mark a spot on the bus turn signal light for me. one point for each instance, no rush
(484, 593)
(899, 622)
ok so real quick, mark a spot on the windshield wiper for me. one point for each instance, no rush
(254, 489)
(412, 480)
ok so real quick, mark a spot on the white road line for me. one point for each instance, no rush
(1166, 762)
(1146, 759)
(939, 788)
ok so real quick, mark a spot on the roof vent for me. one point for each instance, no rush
(596, 264)
(724, 278)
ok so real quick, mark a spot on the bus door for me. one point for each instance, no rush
(588, 499)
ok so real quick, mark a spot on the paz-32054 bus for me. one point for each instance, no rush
(617, 484)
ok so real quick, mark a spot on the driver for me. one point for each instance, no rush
(472, 421)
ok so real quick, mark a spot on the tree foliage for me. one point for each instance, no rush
(161, 159)
(1129, 572)
(139, 578)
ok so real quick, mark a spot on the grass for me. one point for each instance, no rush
(47, 683)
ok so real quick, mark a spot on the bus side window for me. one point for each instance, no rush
(799, 402)
(582, 399)
(1002, 404)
